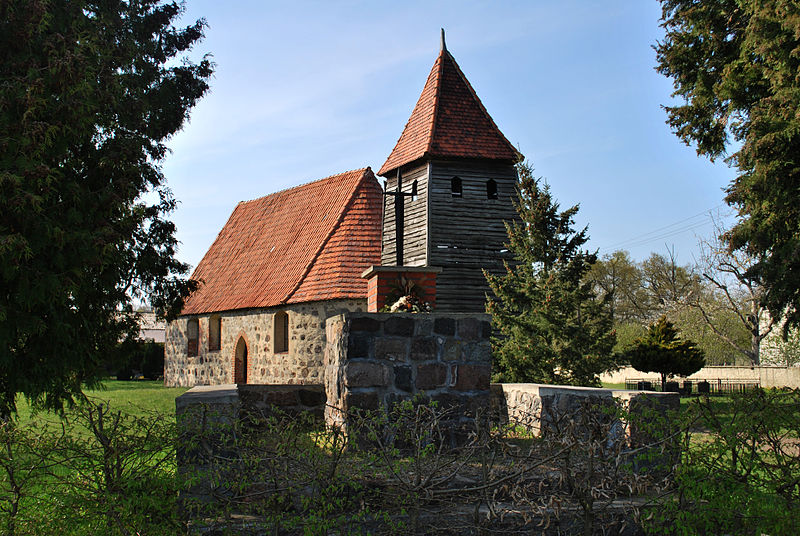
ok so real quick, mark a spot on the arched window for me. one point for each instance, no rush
(214, 332)
(281, 332)
(192, 337)
(455, 186)
(491, 189)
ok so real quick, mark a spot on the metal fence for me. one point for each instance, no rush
(718, 386)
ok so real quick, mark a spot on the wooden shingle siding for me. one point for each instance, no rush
(467, 233)
(416, 220)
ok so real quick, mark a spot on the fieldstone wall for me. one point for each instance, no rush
(374, 360)
(302, 364)
(535, 405)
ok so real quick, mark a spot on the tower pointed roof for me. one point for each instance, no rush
(449, 120)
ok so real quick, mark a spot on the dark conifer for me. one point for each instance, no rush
(89, 94)
(550, 326)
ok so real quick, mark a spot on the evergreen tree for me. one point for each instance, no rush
(90, 93)
(734, 66)
(551, 327)
(661, 350)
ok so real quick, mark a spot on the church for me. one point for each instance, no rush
(286, 262)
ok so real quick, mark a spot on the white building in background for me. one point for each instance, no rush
(777, 352)
(151, 328)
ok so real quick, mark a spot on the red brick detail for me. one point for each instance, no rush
(449, 120)
(303, 244)
(382, 284)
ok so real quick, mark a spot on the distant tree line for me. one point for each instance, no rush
(712, 302)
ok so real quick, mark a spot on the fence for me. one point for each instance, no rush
(717, 386)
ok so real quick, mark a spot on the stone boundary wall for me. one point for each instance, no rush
(231, 401)
(533, 405)
(766, 376)
(374, 360)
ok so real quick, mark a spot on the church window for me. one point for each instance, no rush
(214, 332)
(281, 332)
(491, 189)
(455, 186)
(192, 337)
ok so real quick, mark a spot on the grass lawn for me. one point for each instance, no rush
(134, 397)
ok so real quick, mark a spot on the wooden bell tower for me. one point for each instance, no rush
(457, 172)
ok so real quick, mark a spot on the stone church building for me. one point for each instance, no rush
(284, 263)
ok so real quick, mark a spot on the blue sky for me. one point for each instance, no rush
(304, 90)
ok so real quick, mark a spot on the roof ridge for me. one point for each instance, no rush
(302, 185)
(330, 234)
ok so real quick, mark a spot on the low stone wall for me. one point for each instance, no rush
(223, 402)
(766, 376)
(535, 406)
(375, 360)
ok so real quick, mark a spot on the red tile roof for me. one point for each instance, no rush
(449, 120)
(307, 243)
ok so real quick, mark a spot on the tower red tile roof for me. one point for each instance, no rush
(307, 243)
(449, 120)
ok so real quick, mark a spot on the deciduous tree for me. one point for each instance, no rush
(619, 277)
(551, 326)
(732, 293)
(89, 94)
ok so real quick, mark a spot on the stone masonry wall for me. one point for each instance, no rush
(374, 360)
(533, 405)
(302, 364)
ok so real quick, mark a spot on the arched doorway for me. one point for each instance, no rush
(240, 362)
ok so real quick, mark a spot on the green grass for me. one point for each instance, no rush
(57, 493)
(134, 397)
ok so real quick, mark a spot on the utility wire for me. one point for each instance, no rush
(681, 226)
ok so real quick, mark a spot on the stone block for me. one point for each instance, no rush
(358, 346)
(452, 350)
(431, 376)
(312, 397)
(363, 323)
(486, 329)
(472, 377)
(402, 378)
(423, 349)
(398, 325)
(364, 374)
(281, 398)
(424, 326)
(391, 348)
(479, 352)
(469, 329)
(449, 402)
(364, 400)
(444, 326)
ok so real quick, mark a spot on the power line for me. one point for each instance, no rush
(666, 231)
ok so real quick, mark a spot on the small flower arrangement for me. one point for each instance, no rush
(404, 299)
